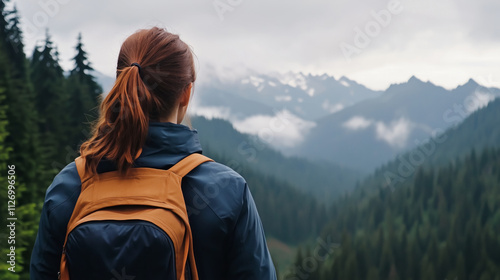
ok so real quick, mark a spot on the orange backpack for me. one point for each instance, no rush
(147, 194)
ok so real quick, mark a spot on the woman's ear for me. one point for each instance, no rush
(186, 96)
(183, 103)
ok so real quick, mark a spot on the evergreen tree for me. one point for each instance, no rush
(83, 70)
(84, 97)
(51, 99)
(15, 46)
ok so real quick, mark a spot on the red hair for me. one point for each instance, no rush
(139, 96)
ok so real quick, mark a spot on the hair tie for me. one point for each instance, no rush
(136, 64)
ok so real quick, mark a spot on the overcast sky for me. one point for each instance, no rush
(444, 41)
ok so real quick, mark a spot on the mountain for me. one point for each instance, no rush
(309, 97)
(374, 131)
(324, 180)
(223, 103)
(435, 218)
(337, 120)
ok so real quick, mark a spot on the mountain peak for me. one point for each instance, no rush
(470, 85)
(471, 82)
(414, 79)
(413, 82)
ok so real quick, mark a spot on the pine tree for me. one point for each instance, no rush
(83, 70)
(84, 95)
(51, 99)
(15, 46)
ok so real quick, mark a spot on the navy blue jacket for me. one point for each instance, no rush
(229, 241)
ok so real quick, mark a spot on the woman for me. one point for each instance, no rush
(139, 126)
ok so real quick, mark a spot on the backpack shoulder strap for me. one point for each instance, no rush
(184, 166)
(80, 167)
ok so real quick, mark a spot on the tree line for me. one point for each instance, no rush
(44, 114)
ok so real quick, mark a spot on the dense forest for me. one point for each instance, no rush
(44, 114)
(442, 224)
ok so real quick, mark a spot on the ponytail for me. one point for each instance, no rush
(155, 57)
(123, 128)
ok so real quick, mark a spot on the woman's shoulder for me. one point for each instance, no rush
(215, 173)
(65, 184)
(217, 187)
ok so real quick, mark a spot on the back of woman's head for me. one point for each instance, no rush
(154, 68)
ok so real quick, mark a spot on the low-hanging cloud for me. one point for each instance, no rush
(282, 130)
(395, 133)
(357, 123)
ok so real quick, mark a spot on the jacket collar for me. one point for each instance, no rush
(171, 139)
(166, 144)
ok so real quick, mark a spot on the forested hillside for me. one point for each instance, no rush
(444, 224)
(478, 131)
(429, 217)
(325, 181)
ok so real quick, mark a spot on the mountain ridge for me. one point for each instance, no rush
(338, 119)
(372, 131)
